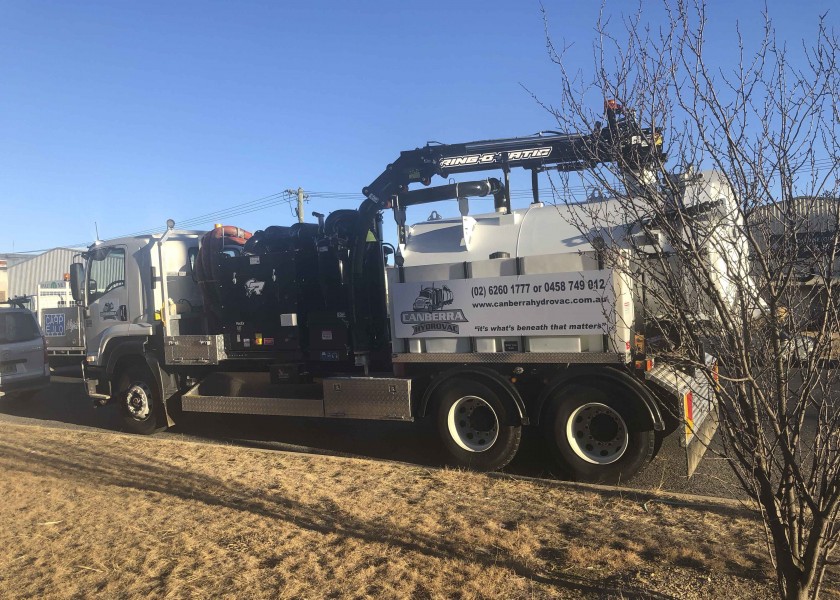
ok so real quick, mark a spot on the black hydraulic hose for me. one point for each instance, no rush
(451, 191)
(367, 215)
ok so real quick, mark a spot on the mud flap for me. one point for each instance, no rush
(695, 395)
(167, 385)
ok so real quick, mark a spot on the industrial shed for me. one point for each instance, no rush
(816, 220)
(25, 275)
(4, 281)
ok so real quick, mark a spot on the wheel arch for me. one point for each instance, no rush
(132, 351)
(507, 391)
(121, 353)
(577, 376)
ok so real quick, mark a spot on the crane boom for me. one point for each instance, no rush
(621, 138)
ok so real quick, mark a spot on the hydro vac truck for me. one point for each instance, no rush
(485, 323)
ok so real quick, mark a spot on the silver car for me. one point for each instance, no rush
(23, 354)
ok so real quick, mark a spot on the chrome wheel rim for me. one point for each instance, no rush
(138, 401)
(473, 424)
(597, 433)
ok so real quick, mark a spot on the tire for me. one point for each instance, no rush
(599, 433)
(476, 426)
(139, 400)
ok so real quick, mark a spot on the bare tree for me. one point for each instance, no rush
(740, 263)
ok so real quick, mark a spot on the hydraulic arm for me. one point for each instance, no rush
(621, 140)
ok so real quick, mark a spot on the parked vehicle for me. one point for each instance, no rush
(517, 322)
(24, 368)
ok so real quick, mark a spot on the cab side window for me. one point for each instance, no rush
(107, 272)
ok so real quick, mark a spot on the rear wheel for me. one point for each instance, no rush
(139, 401)
(599, 433)
(475, 426)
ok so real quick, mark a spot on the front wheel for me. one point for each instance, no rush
(139, 402)
(475, 426)
(598, 433)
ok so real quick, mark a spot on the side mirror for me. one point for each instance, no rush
(77, 278)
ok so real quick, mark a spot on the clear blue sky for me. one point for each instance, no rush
(129, 113)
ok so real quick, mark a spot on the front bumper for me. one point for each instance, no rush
(24, 385)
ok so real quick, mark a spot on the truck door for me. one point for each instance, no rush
(107, 296)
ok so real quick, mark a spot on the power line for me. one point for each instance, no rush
(212, 217)
(231, 211)
(289, 196)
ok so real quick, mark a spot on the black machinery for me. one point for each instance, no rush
(314, 295)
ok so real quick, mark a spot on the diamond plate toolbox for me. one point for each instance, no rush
(367, 398)
(193, 349)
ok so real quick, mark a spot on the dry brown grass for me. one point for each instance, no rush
(100, 514)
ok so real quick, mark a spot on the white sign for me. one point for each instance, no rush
(574, 303)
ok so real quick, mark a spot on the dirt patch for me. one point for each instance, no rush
(99, 514)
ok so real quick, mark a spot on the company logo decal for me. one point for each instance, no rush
(428, 312)
(254, 287)
(494, 157)
(108, 313)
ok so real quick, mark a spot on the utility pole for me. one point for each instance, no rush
(301, 197)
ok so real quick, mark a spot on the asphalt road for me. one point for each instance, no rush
(65, 405)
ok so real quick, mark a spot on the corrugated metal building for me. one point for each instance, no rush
(813, 215)
(815, 221)
(13, 258)
(24, 276)
(4, 281)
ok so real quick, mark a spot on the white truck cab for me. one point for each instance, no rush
(133, 283)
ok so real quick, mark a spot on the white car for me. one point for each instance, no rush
(23, 354)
